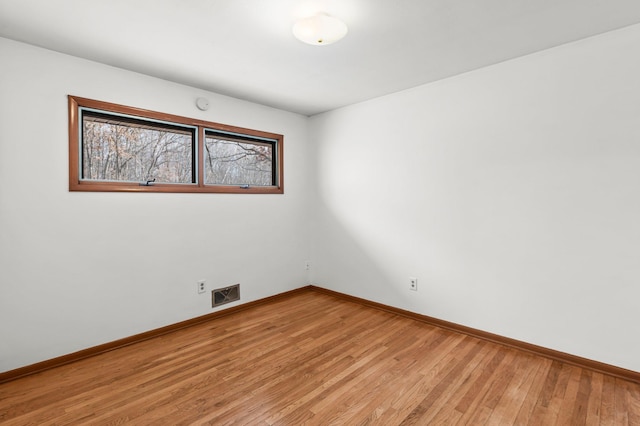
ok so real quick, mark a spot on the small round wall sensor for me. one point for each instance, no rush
(202, 104)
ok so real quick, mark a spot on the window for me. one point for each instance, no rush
(118, 148)
(232, 158)
(121, 149)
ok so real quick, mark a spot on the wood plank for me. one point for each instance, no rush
(512, 399)
(621, 408)
(528, 405)
(607, 407)
(489, 395)
(633, 402)
(315, 359)
(595, 400)
(568, 397)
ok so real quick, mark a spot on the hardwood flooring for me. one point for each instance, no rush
(317, 360)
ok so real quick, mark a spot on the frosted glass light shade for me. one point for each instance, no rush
(320, 29)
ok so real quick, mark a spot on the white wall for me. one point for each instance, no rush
(82, 269)
(512, 193)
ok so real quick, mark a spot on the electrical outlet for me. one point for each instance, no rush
(413, 283)
(307, 265)
(201, 286)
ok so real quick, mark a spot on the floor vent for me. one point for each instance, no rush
(220, 296)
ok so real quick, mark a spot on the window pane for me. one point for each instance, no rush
(116, 148)
(233, 161)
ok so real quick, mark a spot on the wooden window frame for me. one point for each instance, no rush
(75, 162)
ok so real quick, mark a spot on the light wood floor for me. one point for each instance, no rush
(317, 360)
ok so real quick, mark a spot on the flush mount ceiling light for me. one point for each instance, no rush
(320, 29)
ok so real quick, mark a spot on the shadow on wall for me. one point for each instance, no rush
(351, 260)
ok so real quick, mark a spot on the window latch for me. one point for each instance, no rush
(245, 186)
(148, 183)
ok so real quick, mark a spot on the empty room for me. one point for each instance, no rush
(320, 212)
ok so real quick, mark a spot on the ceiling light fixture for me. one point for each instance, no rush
(320, 29)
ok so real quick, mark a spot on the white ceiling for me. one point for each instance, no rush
(245, 49)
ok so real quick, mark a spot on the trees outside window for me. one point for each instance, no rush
(115, 149)
(229, 161)
(118, 148)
